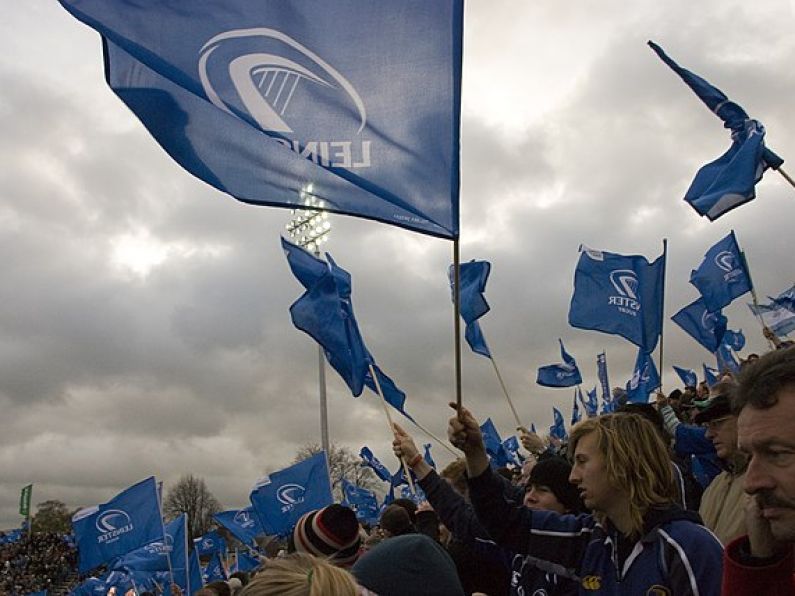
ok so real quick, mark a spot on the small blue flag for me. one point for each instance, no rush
(722, 275)
(247, 562)
(575, 409)
(726, 360)
(711, 375)
(558, 428)
(645, 379)
(242, 523)
(620, 295)
(592, 405)
(511, 446)
(283, 497)
(729, 181)
(493, 443)
(427, 455)
(734, 339)
(257, 98)
(601, 373)
(210, 543)
(372, 461)
(215, 570)
(362, 501)
(126, 522)
(473, 277)
(195, 571)
(707, 328)
(687, 375)
(778, 319)
(565, 374)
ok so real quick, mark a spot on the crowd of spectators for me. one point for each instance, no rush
(36, 563)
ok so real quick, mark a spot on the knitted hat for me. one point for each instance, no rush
(331, 532)
(554, 473)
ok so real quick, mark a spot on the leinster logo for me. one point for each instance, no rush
(243, 519)
(271, 80)
(111, 524)
(726, 261)
(625, 282)
(290, 495)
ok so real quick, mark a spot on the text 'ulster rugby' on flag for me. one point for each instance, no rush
(360, 99)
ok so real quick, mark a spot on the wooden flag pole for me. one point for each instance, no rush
(435, 438)
(406, 470)
(505, 391)
(457, 322)
(662, 311)
(786, 176)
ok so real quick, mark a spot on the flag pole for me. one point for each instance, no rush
(505, 391)
(457, 321)
(753, 296)
(662, 312)
(434, 437)
(391, 425)
(781, 171)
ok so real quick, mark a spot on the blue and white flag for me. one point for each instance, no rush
(427, 455)
(619, 294)
(592, 405)
(246, 562)
(601, 373)
(259, 98)
(243, 523)
(362, 501)
(711, 375)
(215, 570)
(687, 375)
(707, 328)
(726, 359)
(473, 277)
(722, 275)
(575, 409)
(778, 319)
(727, 182)
(645, 379)
(325, 313)
(493, 443)
(372, 461)
(565, 374)
(558, 428)
(785, 299)
(284, 496)
(734, 339)
(126, 522)
(210, 543)
(511, 446)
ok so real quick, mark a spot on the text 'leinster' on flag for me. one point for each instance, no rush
(620, 295)
(729, 181)
(259, 98)
(722, 275)
(128, 521)
(565, 374)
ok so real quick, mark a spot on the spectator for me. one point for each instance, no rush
(331, 532)
(301, 574)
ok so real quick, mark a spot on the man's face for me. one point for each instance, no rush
(768, 436)
(722, 432)
(539, 496)
(590, 476)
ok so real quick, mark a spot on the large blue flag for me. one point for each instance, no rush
(601, 373)
(243, 523)
(558, 428)
(210, 543)
(372, 461)
(565, 374)
(779, 319)
(286, 495)
(727, 182)
(687, 375)
(722, 275)
(473, 277)
(645, 379)
(706, 327)
(325, 312)
(257, 98)
(711, 375)
(619, 294)
(195, 571)
(126, 522)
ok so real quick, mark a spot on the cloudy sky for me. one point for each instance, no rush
(144, 324)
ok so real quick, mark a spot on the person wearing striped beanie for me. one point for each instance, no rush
(331, 533)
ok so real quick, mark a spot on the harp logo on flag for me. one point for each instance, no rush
(243, 519)
(625, 281)
(112, 524)
(290, 495)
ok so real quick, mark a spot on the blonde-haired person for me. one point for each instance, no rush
(636, 541)
(300, 574)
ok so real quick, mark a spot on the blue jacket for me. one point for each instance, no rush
(675, 556)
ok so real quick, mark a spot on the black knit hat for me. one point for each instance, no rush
(331, 532)
(554, 473)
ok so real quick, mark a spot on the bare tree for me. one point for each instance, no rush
(190, 495)
(52, 516)
(343, 463)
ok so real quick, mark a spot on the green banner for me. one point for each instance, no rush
(24, 500)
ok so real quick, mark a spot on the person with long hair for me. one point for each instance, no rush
(300, 574)
(635, 541)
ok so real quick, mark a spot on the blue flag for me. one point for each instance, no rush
(286, 495)
(727, 182)
(592, 405)
(618, 294)
(558, 428)
(243, 524)
(601, 373)
(372, 461)
(246, 562)
(688, 376)
(473, 277)
(565, 374)
(256, 98)
(707, 328)
(511, 446)
(779, 319)
(325, 312)
(711, 375)
(210, 543)
(363, 502)
(726, 360)
(427, 455)
(645, 379)
(493, 443)
(195, 571)
(734, 339)
(722, 275)
(126, 522)
(786, 299)
(575, 409)
(215, 570)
